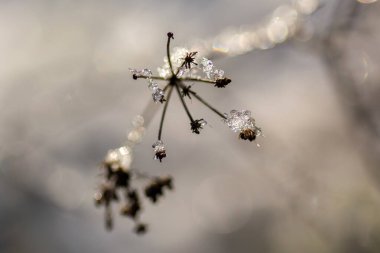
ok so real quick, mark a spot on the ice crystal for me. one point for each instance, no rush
(159, 150)
(241, 121)
(210, 70)
(158, 95)
(147, 73)
(177, 56)
(207, 65)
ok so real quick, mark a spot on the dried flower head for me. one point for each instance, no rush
(179, 67)
(118, 179)
(155, 189)
(189, 59)
(197, 124)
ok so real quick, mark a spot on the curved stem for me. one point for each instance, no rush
(168, 55)
(153, 77)
(164, 111)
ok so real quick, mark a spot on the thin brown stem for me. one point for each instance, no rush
(153, 77)
(164, 110)
(184, 103)
(198, 80)
(206, 104)
(168, 55)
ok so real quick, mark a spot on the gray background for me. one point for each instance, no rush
(67, 97)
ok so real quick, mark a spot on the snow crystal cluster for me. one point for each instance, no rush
(158, 146)
(240, 121)
(158, 94)
(159, 150)
(176, 57)
(210, 70)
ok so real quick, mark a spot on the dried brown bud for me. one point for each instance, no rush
(248, 134)
(221, 83)
(170, 35)
(196, 125)
(141, 228)
(160, 155)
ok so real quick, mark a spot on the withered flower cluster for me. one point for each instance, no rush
(118, 182)
(184, 66)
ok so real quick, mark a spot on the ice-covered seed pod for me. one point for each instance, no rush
(159, 150)
(241, 121)
(158, 95)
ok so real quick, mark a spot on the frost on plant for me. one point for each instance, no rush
(242, 122)
(180, 67)
(159, 150)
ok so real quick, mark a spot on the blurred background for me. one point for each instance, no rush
(309, 73)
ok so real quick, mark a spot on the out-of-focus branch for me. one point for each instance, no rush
(282, 25)
(334, 47)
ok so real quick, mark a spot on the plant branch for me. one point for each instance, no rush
(164, 110)
(206, 104)
(183, 102)
(152, 77)
(168, 54)
(198, 80)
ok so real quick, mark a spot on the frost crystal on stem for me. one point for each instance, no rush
(158, 94)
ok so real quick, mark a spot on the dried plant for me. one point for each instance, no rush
(179, 68)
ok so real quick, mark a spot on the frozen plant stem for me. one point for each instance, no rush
(184, 103)
(198, 80)
(182, 66)
(205, 103)
(153, 78)
(170, 36)
(164, 110)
